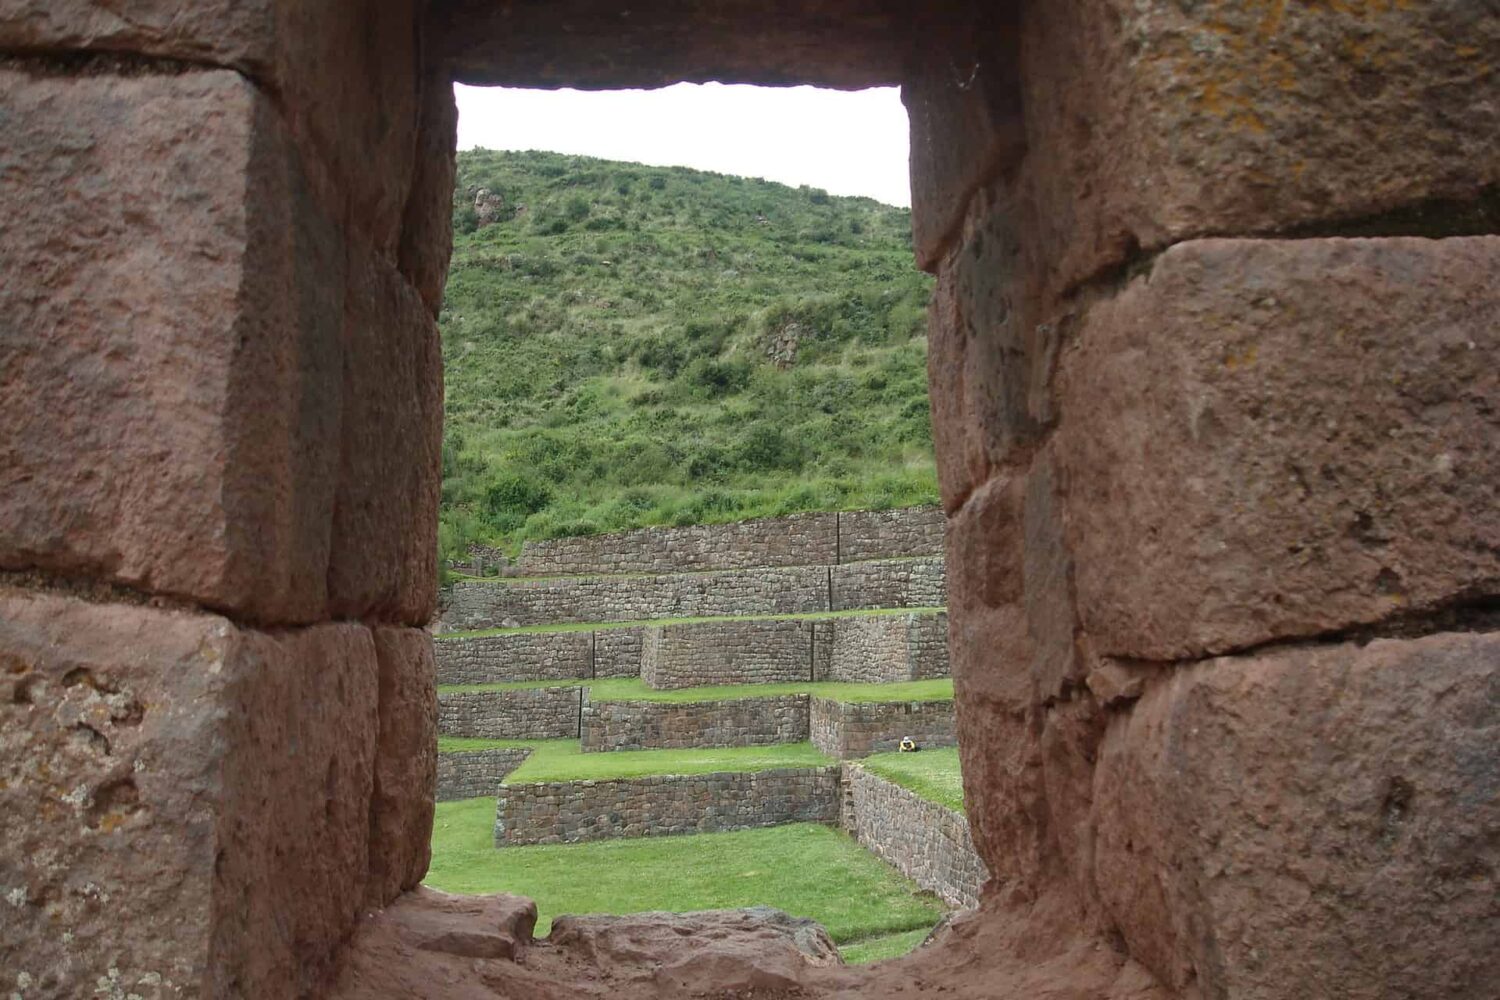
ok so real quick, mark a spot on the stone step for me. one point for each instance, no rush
(787, 590)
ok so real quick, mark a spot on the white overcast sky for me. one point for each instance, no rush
(846, 142)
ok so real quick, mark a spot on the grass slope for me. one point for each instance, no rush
(932, 774)
(806, 869)
(635, 689)
(614, 351)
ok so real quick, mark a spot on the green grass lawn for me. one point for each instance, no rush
(884, 946)
(807, 869)
(598, 626)
(564, 760)
(635, 689)
(932, 774)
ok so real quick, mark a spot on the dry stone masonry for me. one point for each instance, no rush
(522, 656)
(546, 713)
(795, 540)
(880, 649)
(469, 774)
(709, 653)
(658, 725)
(928, 843)
(574, 811)
(765, 591)
(887, 583)
(858, 729)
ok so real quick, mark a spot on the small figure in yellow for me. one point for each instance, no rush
(908, 745)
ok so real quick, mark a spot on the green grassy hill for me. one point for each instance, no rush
(628, 345)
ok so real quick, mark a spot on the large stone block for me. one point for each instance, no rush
(991, 355)
(427, 229)
(963, 99)
(170, 300)
(185, 804)
(344, 71)
(1152, 121)
(1319, 820)
(383, 559)
(405, 764)
(1266, 439)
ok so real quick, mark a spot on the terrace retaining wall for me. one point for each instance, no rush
(927, 842)
(890, 583)
(525, 656)
(527, 714)
(858, 729)
(730, 652)
(764, 591)
(890, 534)
(660, 805)
(470, 774)
(795, 540)
(740, 722)
(617, 652)
(884, 649)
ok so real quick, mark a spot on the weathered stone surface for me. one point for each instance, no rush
(1268, 439)
(346, 71)
(428, 937)
(1229, 118)
(169, 342)
(390, 473)
(757, 948)
(1322, 814)
(405, 764)
(830, 43)
(991, 356)
(185, 804)
(963, 99)
(427, 228)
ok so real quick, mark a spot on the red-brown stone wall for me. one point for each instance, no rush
(225, 242)
(1213, 357)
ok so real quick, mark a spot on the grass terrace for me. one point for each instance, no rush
(635, 689)
(807, 869)
(643, 623)
(564, 760)
(932, 774)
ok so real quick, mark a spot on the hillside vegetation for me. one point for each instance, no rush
(628, 345)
